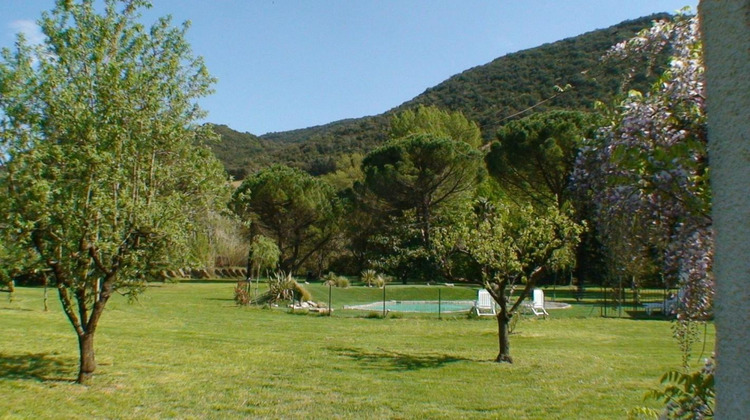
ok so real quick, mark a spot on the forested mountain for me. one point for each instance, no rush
(567, 74)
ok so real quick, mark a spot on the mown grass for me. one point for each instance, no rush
(186, 351)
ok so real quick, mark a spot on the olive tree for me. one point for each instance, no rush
(104, 170)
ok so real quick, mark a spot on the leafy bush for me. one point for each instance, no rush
(686, 395)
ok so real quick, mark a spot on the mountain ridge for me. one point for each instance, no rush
(565, 74)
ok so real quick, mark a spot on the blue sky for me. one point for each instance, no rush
(286, 64)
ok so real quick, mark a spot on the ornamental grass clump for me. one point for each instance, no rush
(368, 277)
(283, 287)
(371, 278)
(381, 280)
(331, 279)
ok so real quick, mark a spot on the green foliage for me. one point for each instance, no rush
(299, 212)
(373, 278)
(348, 172)
(513, 242)
(381, 280)
(106, 176)
(301, 294)
(685, 395)
(534, 157)
(241, 153)
(432, 120)
(513, 246)
(264, 254)
(425, 173)
(10, 264)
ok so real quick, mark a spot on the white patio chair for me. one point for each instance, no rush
(537, 306)
(484, 305)
(667, 307)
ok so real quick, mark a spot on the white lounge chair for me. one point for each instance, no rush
(485, 305)
(667, 307)
(537, 306)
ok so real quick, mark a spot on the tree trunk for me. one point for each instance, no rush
(504, 339)
(46, 306)
(88, 363)
(249, 274)
(425, 216)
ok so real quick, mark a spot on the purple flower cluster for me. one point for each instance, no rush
(647, 171)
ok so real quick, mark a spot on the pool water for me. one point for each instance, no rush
(426, 306)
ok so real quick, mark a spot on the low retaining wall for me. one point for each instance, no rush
(206, 273)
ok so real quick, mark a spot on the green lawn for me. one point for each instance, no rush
(186, 351)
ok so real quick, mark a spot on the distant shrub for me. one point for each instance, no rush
(368, 277)
(300, 293)
(331, 279)
(241, 293)
(381, 280)
(379, 315)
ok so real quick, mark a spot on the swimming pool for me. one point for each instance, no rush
(426, 306)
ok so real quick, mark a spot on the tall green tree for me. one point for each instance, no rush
(299, 212)
(533, 160)
(433, 120)
(104, 168)
(534, 157)
(425, 173)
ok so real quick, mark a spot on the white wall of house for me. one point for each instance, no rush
(726, 37)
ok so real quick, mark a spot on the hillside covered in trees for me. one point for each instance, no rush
(568, 74)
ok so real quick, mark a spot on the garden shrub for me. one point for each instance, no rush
(686, 395)
(300, 293)
(282, 286)
(381, 280)
(372, 278)
(241, 293)
(368, 277)
(331, 279)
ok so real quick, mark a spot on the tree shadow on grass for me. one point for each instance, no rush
(39, 366)
(17, 309)
(391, 360)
